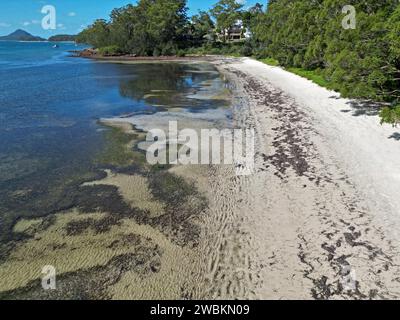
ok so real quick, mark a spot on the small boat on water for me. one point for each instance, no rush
(55, 46)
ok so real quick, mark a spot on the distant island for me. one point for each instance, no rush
(62, 37)
(22, 35)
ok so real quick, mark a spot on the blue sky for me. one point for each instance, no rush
(72, 15)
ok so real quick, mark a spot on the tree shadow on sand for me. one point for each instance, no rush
(365, 108)
(395, 136)
(362, 107)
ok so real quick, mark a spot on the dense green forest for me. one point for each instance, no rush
(354, 52)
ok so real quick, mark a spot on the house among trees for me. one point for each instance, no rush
(236, 33)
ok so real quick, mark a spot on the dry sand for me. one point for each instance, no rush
(321, 215)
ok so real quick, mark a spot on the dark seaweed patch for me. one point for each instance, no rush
(129, 239)
(43, 200)
(170, 188)
(181, 200)
(94, 282)
(102, 225)
(107, 199)
(117, 151)
(182, 203)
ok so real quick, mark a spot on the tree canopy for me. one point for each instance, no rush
(226, 13)
(360, 60)
(152, 27)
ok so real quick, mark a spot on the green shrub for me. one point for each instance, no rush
(229, 49)
(313, 75)
(169, 49)
(156, 52)
(390, 115)
(270, 61)
(246, 50)
(180, 53)
(110, 51)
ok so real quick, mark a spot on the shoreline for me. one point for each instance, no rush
(93, 55)
(315, 221)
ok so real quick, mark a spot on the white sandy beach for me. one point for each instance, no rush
(321, 216)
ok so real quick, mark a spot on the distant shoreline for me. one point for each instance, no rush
(23, 41)
(94, 55)
(34, 41)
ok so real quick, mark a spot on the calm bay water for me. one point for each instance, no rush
(49, 107)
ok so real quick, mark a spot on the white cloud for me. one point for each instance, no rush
(61, 26)
(72, 14)
(4, 25)
(27, 23)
